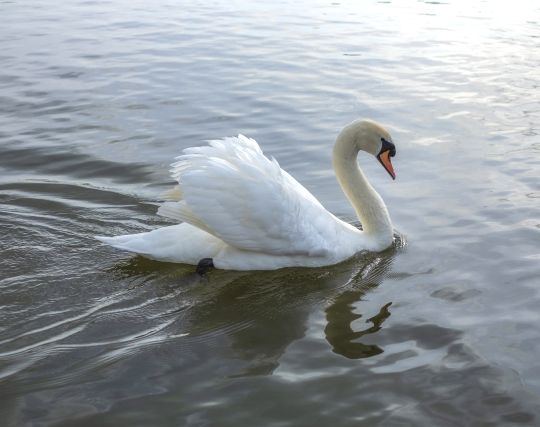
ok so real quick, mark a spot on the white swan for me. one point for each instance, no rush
(242, 211)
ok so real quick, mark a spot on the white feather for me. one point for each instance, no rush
(174, 194)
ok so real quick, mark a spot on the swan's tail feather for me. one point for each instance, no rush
(176, 243)
(129, 242)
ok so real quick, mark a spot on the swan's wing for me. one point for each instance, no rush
(232, 190)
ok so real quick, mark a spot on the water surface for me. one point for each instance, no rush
(96, 98)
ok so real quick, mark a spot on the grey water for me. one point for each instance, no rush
(442, 329)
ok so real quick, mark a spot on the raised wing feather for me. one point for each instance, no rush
(232, 190)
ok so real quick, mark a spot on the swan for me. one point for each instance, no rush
(240, 211)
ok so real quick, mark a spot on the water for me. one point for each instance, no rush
(96, 98)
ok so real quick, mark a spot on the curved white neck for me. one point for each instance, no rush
(368, 204)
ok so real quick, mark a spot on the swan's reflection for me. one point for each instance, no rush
(261, 313)
(340, 315)
(340, 334)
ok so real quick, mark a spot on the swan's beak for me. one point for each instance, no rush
(384, 158)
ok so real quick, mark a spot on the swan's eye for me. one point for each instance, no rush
(388, 146)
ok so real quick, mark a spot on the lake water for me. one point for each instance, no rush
(97, 97)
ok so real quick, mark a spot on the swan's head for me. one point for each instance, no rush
(367, 135)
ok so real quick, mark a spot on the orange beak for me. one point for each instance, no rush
(384, 158)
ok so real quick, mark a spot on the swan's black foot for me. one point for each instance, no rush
(204, 266)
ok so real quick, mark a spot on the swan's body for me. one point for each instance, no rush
(243, 211)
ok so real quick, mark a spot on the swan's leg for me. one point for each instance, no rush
(204, 266)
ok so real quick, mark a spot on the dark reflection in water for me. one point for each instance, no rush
(340, 334)
(262, 313)
(340, 315)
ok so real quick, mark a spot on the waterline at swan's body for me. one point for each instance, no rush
(243, 211)
(184, 243)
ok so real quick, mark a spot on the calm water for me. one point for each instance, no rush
(96, 98)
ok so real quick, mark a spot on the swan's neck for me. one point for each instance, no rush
(368, 204)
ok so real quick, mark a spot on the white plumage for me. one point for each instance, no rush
(241, 209)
